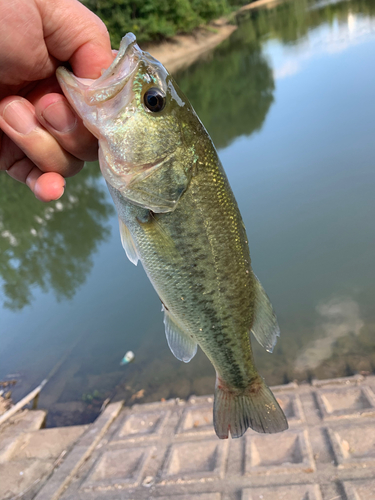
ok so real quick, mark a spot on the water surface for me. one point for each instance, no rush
(290, 103)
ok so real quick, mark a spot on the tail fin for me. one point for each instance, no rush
(255, 407)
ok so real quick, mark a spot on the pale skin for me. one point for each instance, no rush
(42, 140)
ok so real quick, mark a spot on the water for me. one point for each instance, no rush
(289, 101)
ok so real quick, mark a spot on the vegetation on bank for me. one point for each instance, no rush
(153, 20)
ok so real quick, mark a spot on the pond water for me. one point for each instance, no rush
(289, 100)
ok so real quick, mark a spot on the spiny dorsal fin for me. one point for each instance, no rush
(265, 328)
(180, 342)
(128, 243)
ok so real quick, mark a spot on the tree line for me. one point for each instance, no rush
(155, 20)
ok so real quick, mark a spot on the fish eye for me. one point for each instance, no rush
(154, 100)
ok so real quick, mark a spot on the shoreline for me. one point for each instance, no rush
(182, 50)
(169, 450)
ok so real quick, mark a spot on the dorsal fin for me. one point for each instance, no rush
(265, 328)
(128, 243)
(180, 343)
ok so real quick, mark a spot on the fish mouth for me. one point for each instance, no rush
(109, 84)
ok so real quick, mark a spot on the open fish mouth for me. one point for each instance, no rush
(109, 84)
(113, 98)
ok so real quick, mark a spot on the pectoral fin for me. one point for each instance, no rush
(128, 243)
(265, 328)
(180, 342)
(160, 187)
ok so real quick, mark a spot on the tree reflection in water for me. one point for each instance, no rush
(50, 246)
(291, 21)
(231, 89)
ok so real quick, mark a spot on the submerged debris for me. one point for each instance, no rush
(5, 395)
(128, 358)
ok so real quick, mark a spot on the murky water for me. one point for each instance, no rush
(289, 101)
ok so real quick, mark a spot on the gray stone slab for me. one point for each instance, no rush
(340, 381)
(17, 478)
(360, 490)
(349, 402)
(58, 483)
(135, 427)
(193, 496)
(289, 453)
(290, 492)
(195, 461)
(24, 421)
(46, 443)
(13, 429)
(168, 450)
(196, 419)
(118, 469)
(354, 446)
(291, 406)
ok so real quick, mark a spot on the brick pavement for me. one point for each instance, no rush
(169, 451)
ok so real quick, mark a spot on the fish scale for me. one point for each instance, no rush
(179, 217)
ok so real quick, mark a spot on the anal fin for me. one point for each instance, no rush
(265, 327)
(128, 243)
(180, 343)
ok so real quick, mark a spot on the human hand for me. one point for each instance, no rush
(42, 140)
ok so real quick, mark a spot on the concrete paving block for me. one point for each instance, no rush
(24, 421)
(276, 389)
(19, 477)
(353, 446)
(168, 450)
(290, 492)
(292, 407)
(119, 469)
(360, 490)
(340, 381)
(289, 452)
(46, 443)
(141, 426)
(349, 402)
(82, 450)
(13, 429)
(196, 420)
(195, 461)
(192, 496)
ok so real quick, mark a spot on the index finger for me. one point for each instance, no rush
(73, 33)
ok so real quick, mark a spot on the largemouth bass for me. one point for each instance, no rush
(178, 216)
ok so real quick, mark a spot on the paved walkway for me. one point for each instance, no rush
(169, 451)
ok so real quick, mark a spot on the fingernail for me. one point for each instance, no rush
(60, 117)
(20, 117)
(40, 195)
(49, 187)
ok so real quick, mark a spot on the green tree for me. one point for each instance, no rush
(155, 19)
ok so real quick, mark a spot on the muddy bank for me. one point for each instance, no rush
(182, 50)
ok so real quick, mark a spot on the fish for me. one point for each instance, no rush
(178, 217)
